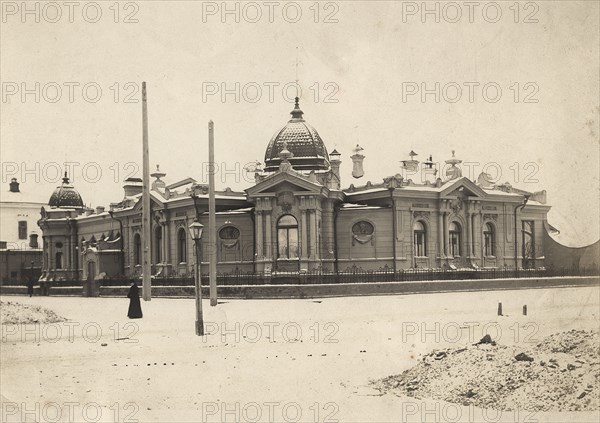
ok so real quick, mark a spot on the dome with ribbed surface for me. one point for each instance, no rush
(65, 196)
(302, 140)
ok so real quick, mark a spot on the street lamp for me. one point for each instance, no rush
(196, 229)
(520, 206)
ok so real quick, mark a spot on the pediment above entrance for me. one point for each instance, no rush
(285, 182)
(462, 188)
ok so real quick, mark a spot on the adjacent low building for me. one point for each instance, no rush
(20, 246)
(298, 218)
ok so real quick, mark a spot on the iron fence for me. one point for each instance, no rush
(359, 275)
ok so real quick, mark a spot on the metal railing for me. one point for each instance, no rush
(358, 275)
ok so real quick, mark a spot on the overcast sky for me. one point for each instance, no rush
(362, 68)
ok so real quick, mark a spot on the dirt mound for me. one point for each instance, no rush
(561, 373)
(17, 313)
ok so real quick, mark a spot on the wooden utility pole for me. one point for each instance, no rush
(212, 224)
(146, 230)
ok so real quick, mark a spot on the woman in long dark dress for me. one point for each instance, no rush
(135, 308)
(30, 287)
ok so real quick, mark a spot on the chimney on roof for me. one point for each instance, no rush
(133, 186)
(14, 185)
(100, 209)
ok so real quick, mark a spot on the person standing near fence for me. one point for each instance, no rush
(135, 308)
(30, 287)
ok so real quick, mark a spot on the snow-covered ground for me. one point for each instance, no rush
(265, 360)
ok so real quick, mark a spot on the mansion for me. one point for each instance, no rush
(297, 217)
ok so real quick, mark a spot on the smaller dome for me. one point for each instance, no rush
(301, 140)
(66, 196)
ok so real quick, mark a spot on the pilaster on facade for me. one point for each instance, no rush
(268, 234)
(304, 234)
(259, 234)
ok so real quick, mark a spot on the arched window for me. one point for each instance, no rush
(181, 246)
(454, 239)
(489, 237)
(287, 237)
(137, 249)
(420, 239)
(157, 244)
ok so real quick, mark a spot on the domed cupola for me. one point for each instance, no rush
(65, 196)
(302, 140)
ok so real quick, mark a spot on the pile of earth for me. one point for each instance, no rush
(561, 373)
(17, 313)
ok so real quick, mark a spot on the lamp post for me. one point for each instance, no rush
(196, 234)
(517, 208)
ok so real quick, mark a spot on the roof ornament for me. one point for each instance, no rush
(297, 113)
(393, 182)
(357, 162)
(158, 184)
(453, 172)
(484, 180)
(412, 165)
(285, 155)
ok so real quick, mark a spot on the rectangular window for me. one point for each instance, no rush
(528, 243)
(420, 248)
(22, 229)
(454, 244)
(489, 245)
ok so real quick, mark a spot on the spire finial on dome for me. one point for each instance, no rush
(297, 112)
(65, 178)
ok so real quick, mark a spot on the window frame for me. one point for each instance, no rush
(420, 235)
(455, 239)
(287, 229)
(489, 240)
(182, 246)
(158, 238)
(137, 249)
(22, 229)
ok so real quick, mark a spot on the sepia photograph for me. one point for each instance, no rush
(310, 211)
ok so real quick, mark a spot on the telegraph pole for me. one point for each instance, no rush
(146, 231)
(212, 224)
